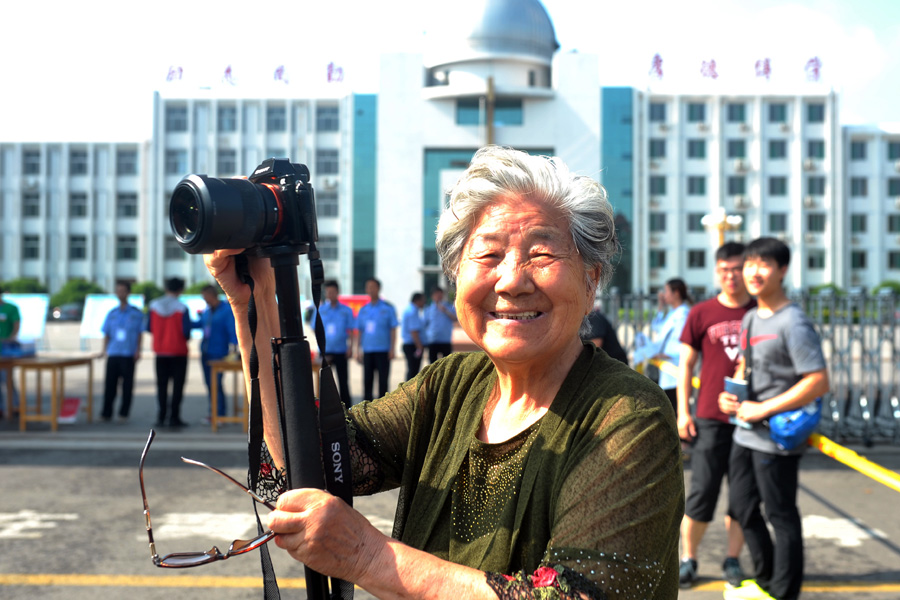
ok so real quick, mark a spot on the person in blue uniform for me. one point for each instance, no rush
(440, 316)
(219, 338)
(339, 323)
(122, 330)
(412, 334)
(376, 326)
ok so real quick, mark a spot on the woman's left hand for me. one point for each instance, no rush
(325, 534)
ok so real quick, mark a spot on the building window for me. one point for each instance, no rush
(778, 112)
(815, 112)
(508, 112)
(778, 186)
(126, 247)
(696, 149)
(126, 162)
(815, 222)
(327, 203)
(78, 162)
(276, 118)
(857, 223)
(893, 186)
(276, 153)
(893, 223)
(737, 185)
(736, 112)
(777, 149)
(815, 260)
(858, 259)
(77, 247)
(657, 259)
(127, 205)
(31, 162)
(894, 260)
(226, 162)
(176, 118)
(777, 222)
(859, 187)
(893, 150)
(696, 259)
(815, 149)
(327, 162)
(31, 204)
(657, 185)
(696, 185)
(657, 148)
(657, 222)
(857, 150)
(815, 185)
(78, 204)
(737, 149)
(176, 162)
(31, 247)
(696, 112)
(172, 251)
(694, 222)
(657, 112)
(327, 118)
(227, 119)
(328, 247)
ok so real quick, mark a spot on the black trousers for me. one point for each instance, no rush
(413, 361)
(174, 369)
(118, 368)
(438, 350)
(759, 477)
(339, 362)
(375, 361)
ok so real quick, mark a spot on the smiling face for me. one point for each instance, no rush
(763, 277)
(521, 287)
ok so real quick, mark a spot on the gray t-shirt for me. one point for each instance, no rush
(782, 348)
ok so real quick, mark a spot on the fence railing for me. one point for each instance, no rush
(861, 340)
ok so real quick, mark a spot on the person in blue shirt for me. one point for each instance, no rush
(412, 334)
(122, 331)
(219, 337)
(339, 324)
(439, 319)
(376, 326)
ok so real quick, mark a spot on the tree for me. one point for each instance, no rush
(196, 288)
(74, 292)
(24, 286)
(148, 289)
(894, 286)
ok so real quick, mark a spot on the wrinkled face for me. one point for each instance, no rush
(763, 276)
(521, 287)
(729, 275)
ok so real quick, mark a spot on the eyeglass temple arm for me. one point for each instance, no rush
(232, 480)
(153, 554)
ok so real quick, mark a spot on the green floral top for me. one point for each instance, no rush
(588, 499)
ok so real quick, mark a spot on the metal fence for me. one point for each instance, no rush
(861, 343)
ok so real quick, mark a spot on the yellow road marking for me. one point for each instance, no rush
(179, 581)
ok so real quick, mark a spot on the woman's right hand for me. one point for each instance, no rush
(221, 265)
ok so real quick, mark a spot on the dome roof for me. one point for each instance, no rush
(481, 28)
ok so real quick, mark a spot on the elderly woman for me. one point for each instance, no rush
(538, 462)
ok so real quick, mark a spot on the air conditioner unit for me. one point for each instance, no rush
(897, 166)
(811, 238)
(745, 127)
(855, 279)
(654, 201)
(782, 236)
(785, 127)
(855, 239)
(809, 164)
(330, 183)
(898, 239)
(663, 127)
(809, 201)
(738, 237)
(655, 239)
(703, 127)
(654, 164)
(740, 202)
(897, 203)
(741, 166)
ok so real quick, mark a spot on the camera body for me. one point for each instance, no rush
(271, 212)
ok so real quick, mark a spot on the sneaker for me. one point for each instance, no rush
(687, 572)
(748, 590)
(732, 572)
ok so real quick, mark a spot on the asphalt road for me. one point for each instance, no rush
(71, 524)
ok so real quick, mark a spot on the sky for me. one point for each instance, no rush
(86, 71)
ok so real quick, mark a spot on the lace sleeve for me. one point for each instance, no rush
(271, 481)
(547, 583)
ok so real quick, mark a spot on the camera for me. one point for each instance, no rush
(270, 212)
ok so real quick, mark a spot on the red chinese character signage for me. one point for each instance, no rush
(763, 68)
(280, 75)
(335, 73)
(656, 67)
(228, 77)
(708, 69)
(174, 73)
(813, 69)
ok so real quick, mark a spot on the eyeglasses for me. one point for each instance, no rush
(181, 560)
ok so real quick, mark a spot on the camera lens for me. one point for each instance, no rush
(208, 214)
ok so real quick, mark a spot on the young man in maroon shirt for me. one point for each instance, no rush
(711, 332)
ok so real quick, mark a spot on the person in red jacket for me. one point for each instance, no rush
(170, 325)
